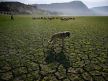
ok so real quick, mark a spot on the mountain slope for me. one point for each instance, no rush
(17, 7)
(20, 8)
(70, 8)
(103, 10)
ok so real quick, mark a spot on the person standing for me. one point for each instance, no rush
(12, 17)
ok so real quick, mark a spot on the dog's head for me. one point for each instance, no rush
(68, 33)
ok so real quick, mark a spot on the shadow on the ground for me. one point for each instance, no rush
(59, 57)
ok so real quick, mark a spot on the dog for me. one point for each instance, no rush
(60, 35)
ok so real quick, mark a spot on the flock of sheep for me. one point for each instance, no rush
(52, 18)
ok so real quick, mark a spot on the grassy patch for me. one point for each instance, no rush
(24, 49)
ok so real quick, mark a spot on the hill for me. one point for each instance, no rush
(17, 7)
(103, 10)
(20, 8)
(68, 8)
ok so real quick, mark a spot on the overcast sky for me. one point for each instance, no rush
(89, 3)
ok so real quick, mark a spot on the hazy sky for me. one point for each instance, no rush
(89, 3)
